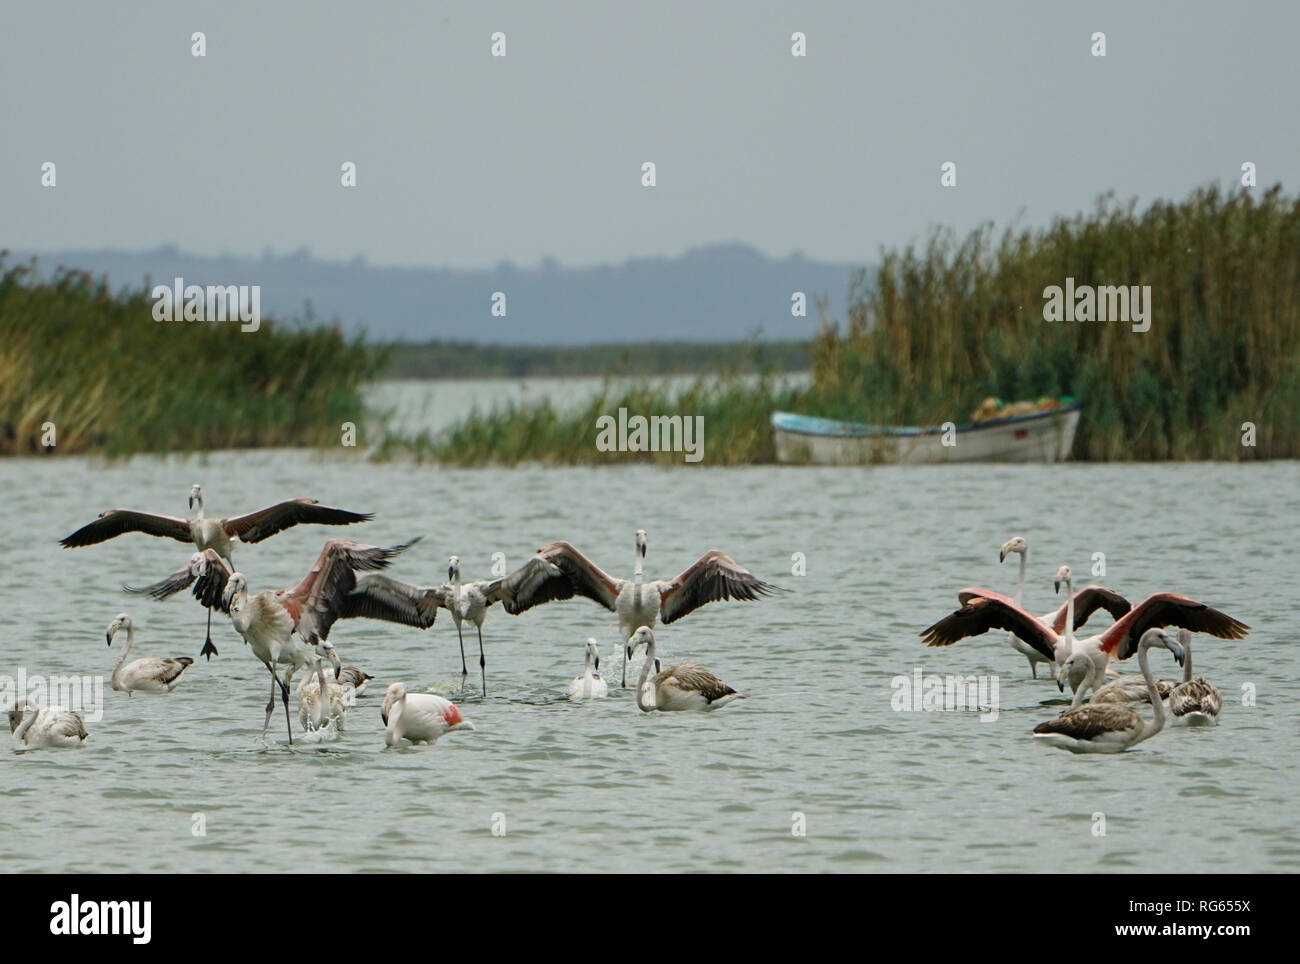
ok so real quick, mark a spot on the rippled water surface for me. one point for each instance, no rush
(602, 786)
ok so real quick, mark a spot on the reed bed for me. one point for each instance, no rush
(113, 381)
(952, 322)
(947, 323)
(735, 409)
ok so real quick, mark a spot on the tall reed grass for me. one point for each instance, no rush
(952, 322)
(113, 381)
(944, 324)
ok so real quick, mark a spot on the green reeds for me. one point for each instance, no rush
(952, 323)
(113, 381)
(735, 409)
(942, 326)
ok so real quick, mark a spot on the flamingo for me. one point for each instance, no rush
(983, 610)
(1086, 602)
(351, 676)
(322, 700)
(714, 576)
(686, 686)
(1110, 727)
(1195, 702)
(589, 685)
(148, 674)
(418, 717)
(54, 726)
(1129, 689)
(269, 620)
(467, 602)
(215, 534)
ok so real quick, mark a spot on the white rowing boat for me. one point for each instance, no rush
(1042, 436)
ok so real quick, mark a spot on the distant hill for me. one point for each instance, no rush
(712, 293)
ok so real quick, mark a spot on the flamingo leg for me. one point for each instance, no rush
(270, 704)
(482, 661)
(284, 692)
(463, 670)
(627, 657)
(208, 649)
(1033, 668)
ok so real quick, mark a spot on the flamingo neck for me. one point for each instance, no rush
(240, 615)
(1187, 660)
(121, 655)
(1158, 720)
(20, 734)
(644, 683)
(1020, 582)
(1069, 613)
(1088, 683)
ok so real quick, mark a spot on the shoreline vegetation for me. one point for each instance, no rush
(941, 326)
(89, 369)
(936, 329)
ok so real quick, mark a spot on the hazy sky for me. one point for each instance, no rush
(466, 159)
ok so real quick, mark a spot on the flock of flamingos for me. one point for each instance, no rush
(288, 629)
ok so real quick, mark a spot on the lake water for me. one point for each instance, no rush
(603, 786)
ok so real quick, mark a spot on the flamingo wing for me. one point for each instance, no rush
(1168, 609)
(317, 600)
(694, 678)
(380, 597)
(984, 610)
(1091, 721)
(1195, 696)
(558, 571)
(264, 523)
(158, 669)
(715, 576)
(115, 522)
(205, 570)
(1087, 601)
(536, 582)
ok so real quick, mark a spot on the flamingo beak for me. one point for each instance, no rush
(1002, 556)
(1057, 584)
(597, 662)
(1176, 648)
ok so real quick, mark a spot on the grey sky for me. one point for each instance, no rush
(467, 160)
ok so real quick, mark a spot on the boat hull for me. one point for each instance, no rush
(1045, 436)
